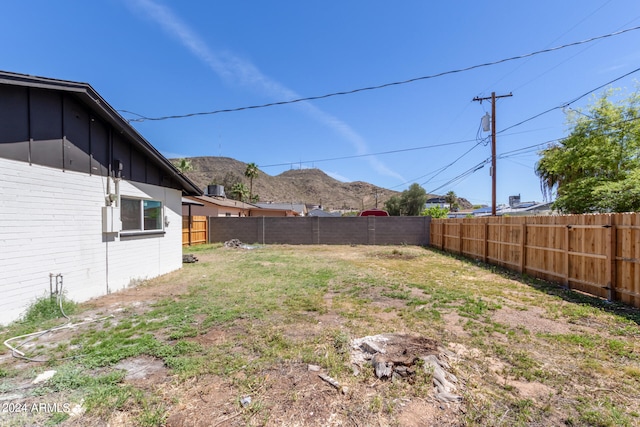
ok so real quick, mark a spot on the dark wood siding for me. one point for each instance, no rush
(100, 147)
(46, 128)
(76, 124)
(153, 174)
(14, 123)
(122, 153)
(61, 130)
(138, 166)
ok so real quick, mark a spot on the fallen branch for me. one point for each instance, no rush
(330, 380)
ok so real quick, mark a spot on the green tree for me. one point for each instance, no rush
(410, 202)
(239, 191)
(435, 212)
(251, 172)
(414, 199)
(620, 196)
(392, 205)
(183, 165)
(452, 199)
(597, 167)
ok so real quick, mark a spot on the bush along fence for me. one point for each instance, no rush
(596, 254)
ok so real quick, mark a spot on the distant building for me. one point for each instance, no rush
(460, 214)
(521, 209)
(215, 206)
(299, 208)
(528, 208)
(322, 213)
(439, 202)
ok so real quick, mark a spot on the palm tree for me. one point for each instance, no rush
(239, 191)
(251, 172)
(452, 199)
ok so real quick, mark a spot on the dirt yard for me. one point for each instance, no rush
(336, 336)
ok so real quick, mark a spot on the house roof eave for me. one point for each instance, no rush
(105, 111)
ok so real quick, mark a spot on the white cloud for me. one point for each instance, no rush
(337, 176)
(231, 68)
(171, 155)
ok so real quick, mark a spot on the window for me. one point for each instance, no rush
(130, 214)
(152, 214)
(140, 215)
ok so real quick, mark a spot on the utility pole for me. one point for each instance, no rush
(493, 98)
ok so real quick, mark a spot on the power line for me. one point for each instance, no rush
(521, 150)
(525, 150)
(452, 163)
(566, 104)
(142, 118)
(401, 150)
(477, 140)
(506, 155)
(462, 176)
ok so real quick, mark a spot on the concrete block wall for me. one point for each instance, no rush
(322, 230)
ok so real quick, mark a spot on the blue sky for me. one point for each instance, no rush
(159, 58)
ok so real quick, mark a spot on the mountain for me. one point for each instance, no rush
(310, 186)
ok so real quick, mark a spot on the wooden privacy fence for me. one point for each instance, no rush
(194, 230)
(597, 254)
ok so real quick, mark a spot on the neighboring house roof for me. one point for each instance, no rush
(300, 208)
(228, 203)
(186, 201)
(287, 212)
(460, 214)
(483, 211)
(101, 109)
(526, 208)
(323, 213)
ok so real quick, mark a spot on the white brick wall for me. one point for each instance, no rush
(51, 222)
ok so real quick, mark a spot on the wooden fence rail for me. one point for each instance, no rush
(194, 230)
(596, 254)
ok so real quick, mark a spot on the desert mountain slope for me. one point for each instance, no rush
(310, 186)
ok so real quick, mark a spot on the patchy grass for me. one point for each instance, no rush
(247, 322)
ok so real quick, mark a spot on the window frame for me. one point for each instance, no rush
(142, 220)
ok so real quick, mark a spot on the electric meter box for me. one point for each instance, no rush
(111, 222)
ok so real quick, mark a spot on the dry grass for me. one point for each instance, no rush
(248, 322)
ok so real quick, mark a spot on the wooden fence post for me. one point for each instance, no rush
(523, 247)
(561, 248)
(611, 259)
(190, 224)
(566, 256)
(486, 242)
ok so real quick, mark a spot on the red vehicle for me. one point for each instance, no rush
(374, 212)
